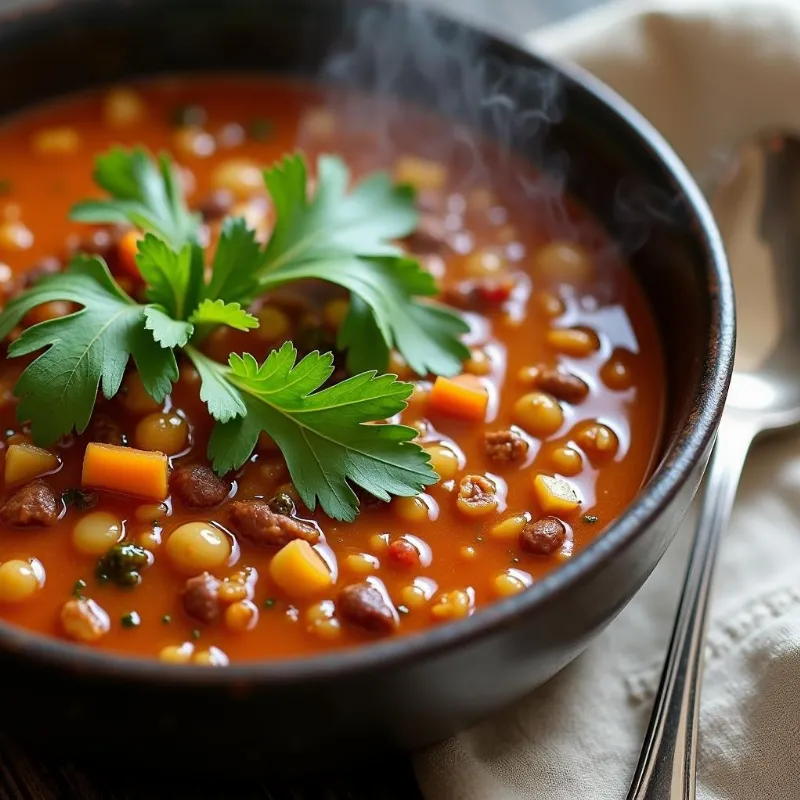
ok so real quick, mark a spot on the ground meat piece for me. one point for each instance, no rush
(201, 598)
(48, 265)
(198, 486)
(479, 294)
(505, 446)
(216, 204)
(32, 505)
(364, 606)
(543, 537)
(562, 385)
(258, 524)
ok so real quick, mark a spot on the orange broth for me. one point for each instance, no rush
(485, 206)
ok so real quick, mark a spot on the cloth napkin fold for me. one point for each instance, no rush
(707, 74)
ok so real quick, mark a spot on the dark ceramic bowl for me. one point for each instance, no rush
(416, 690)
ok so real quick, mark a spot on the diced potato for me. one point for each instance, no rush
(24, 462)
(299, 570)
(555, 495)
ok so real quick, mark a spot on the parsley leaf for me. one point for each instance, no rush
(218, 312)
(322, 433)
(223, 400)
(143, 193)
(237, 255)
(83, 351)
(174, 278)
(345, 238)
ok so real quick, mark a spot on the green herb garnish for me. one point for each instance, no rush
(195, 634)
(590, 519)
(79, 499)
(78, 587)
(166, 619)
(122, 564)
(344, 238)
(269, 602)
(131, 620)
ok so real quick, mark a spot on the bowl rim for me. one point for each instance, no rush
(688, 447)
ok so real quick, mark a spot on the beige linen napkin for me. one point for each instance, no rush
(706, 73)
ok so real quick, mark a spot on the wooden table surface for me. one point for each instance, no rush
(27, 774)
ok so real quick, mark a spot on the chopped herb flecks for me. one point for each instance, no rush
(269, 602)
(195, 634)
(131, 620)
(166, 619)
(79, 499)
(122, 564)
(260, 129)
(78, 587)
(590, 519)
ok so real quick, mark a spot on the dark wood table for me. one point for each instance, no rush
(27, 774)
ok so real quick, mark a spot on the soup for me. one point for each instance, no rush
(140, 531)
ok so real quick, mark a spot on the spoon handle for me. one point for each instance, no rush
(667, 762)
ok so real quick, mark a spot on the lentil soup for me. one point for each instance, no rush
(124, 537)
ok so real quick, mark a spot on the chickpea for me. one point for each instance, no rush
(198, 546)
(411, 509)
(379, 543)
(56, 141)
(241, 616)
(575, 342)
(335, 312)
(598, 441)
(84, 620)
(123, 108)
(478, 363)
(193, 142)
(413, 596)
(232, 592)
(444, 460)
(452, 605)
(166, 433)
(511, 527)
(485, 264)
(361, 563)
(213, 657)
(240, 176)
(539, 414)
(322, 621)
(151, 511)
(273, 324)
(96, 533)
(564, 261)
(20, 580)
(15, 236)
(567, 461)
(134, 397)
(509, 583)
(177, 654)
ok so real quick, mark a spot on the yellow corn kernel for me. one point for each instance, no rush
(123, 108)
(420, 173)
(379, 543)
(444, 460)
(452, 605)
(507, 583)
(567, 461)
(564, 261)
(361, 563)
(56, 141)
(177, 653)
(413, 596)
(574, 342)
(555, 495)
(551, 305)
(213, 657)
(539, 414)
(511, 527)
(335, 312)
(241, 616)
(299, 570)
(411, 509)
(24, 462)
(273, 324)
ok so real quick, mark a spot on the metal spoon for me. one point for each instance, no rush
(757, 208)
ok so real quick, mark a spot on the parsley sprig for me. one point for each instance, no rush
(346, 238)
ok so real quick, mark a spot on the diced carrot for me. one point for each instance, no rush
(463, 396)
(141, 473)
(127, 249)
